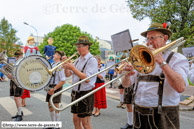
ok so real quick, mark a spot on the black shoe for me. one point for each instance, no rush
(17, 115)
(19, 118)
(127, 126)
(110, 86)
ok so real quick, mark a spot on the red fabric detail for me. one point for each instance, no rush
(36, 48)
(25, 49)
(26, 94)
(100, 97)
(31, 49)
(164, 25)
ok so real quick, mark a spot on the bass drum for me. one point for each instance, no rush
(31, 73)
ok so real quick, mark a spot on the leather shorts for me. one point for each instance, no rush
(84, 107)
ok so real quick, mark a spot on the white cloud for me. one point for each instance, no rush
(99, 18)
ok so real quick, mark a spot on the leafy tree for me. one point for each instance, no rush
(180, 14)
(65, 37)
(8, 37)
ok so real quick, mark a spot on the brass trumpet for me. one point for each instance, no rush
(67, 60)
(140, 57)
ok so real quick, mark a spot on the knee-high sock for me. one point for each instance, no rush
(19, 111)
(58, 116)
(121, 98)
(52, 114)
(130, 118)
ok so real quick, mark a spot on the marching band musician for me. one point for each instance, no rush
(56, 83)
(49, 50)
(85, 66)
(16, 91)
(157, 97)
(121, 91)
(126, 101)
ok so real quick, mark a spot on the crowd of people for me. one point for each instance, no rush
(151, 100)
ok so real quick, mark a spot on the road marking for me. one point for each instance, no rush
(111, 91)
(9, 104)
(187, 118)
(42, 97)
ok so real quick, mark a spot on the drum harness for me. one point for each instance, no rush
(53, 76)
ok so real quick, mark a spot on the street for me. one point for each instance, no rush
(37, 110)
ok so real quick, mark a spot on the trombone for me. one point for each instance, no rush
(55, 68)
(83, 97)
(140, 57)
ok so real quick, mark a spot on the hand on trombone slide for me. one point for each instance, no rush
(128, 68)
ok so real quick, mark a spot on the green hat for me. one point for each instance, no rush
(158, 27)
(83, 40)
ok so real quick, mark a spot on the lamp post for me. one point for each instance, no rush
(34, 29)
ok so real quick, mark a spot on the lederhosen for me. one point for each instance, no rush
(56, 99)
(161, 117)
(128, 95)
(15, 90)
(85, 107)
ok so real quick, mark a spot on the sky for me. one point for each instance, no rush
(101, 18)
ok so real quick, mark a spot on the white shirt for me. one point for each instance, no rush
(191, 73)
(146, 94)
(60, 75)
(90, 69)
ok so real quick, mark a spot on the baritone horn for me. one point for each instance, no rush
(140, 57)
(7, 69)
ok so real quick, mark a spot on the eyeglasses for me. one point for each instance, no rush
(153, 38)
(80, 46)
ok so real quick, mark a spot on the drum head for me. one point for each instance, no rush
(31, 73)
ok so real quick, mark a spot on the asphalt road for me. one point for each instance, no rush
(37, 110)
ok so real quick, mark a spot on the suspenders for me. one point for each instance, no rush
(154, 78)
(53, 75)
(82, 71)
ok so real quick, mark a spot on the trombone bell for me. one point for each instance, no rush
(142, 58)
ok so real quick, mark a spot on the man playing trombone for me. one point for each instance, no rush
(156, 102)
(85, 66)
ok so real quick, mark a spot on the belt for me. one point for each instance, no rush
(150, 110)
(81, 92)
(149, 78)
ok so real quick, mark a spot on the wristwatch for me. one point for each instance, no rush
(54, 89)
(162, 64)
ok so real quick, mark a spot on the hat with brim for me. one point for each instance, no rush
(158, 27)
(30, 38)
(83, 40)
(61, 53)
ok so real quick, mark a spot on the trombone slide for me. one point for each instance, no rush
(83, 97)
